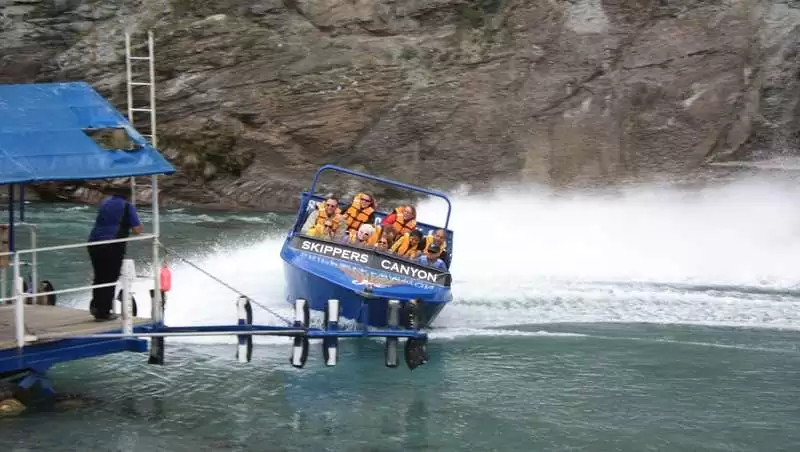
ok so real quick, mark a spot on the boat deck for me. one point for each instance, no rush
(51, 323)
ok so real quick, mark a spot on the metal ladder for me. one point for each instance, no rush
(151, 84)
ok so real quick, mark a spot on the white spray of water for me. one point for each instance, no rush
(523, 255)
(195, 299)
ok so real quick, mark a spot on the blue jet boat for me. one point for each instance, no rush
(364, 279)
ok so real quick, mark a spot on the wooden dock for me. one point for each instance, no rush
(50, 323)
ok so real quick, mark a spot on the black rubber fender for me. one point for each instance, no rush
(133, 303)
(47, 286)
(44, 286)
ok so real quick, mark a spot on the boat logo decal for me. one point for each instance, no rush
(363, 279)
(377, 277)
(330, 250)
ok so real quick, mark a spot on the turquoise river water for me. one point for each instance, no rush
(649, 320)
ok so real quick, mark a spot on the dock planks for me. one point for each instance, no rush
(50, 323)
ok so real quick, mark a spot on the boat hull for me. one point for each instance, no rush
(363, 291)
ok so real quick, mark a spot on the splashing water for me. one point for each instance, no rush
(525, 255)
(737, 234)
(588, 258)
(255, 269)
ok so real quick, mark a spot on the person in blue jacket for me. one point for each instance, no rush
(431, 257)
(116, 219)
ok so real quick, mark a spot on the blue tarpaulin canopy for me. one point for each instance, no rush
(42, 136)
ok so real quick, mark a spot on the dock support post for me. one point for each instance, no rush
(3, 289)
(302, 318)
(19, 305)
(4, 261)
(245, 350)
(128, 273)
(391, 342)
(330, 345)
(34, 265)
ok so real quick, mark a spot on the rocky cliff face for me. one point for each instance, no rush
(254, 95)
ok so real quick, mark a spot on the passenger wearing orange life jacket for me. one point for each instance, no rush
(324, 221)
(361, 211)
(403, 219)
(373, 239)
(409, 245)
(385, 239)
(326, 230)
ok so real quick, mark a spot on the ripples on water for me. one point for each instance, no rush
(599, 327)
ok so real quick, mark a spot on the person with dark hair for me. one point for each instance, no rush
(409, 245)
(439, 237)
(385, 239)
(402, 220)
(116, 219)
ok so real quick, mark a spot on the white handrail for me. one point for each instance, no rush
(34, 277)
(80, 245)
(34, 230)
(34, 274)
(20, 296)
(19, 306)
(54, 292)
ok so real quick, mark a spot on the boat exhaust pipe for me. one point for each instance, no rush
(330, 345)
(391, 342)
(301, 320)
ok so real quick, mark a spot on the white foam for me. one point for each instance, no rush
(457, 333)
(524, 255)
(745, 233)
(195, 299)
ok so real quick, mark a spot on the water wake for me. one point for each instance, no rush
(723, 255)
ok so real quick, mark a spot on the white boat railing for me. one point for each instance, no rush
(4, 262)
(19, 295)
(78, 245)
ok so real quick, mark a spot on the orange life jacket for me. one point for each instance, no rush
(429, 240)
(402, 247)
(323, 215)
(400, 226)
(356, 216)
(373, 239)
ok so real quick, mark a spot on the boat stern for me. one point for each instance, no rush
(364, 280)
